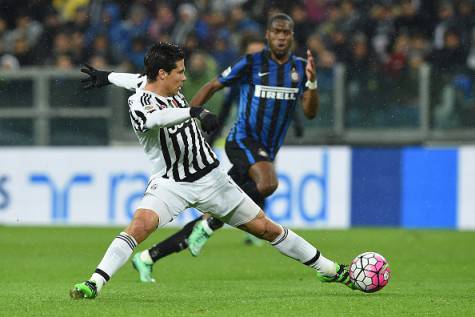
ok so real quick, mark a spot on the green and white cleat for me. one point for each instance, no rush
(144, 269)
(87, 289)
(198, 237)
(342, 276)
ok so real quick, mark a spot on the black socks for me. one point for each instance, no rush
(174, 243)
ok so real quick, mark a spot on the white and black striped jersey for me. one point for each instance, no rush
(171, 139)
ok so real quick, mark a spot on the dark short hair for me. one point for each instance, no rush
(164, 56)
(280, 17)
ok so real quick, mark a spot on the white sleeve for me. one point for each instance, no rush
(155, 117)
(167, 117)
(126, 80)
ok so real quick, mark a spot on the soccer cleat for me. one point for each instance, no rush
(144, 269)
(198, 238)
(342, 276)
(87, 289)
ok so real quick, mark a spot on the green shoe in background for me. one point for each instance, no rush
(144, 269)
(198, 237)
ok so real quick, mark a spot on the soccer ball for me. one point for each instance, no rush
(370, 272)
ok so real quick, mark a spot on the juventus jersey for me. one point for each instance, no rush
(176, 146)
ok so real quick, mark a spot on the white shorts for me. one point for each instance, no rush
(215, 193)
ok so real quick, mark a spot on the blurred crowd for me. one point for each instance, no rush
(381, 42)
(391, 34)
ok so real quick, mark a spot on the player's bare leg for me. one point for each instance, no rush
(142, 225)
(264, 176)
(262, 179)
(294, 246)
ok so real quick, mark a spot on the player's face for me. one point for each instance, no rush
(280, 37)
(176, 78)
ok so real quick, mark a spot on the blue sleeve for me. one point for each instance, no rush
(234, 73)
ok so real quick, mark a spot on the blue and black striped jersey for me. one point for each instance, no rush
(268, 97)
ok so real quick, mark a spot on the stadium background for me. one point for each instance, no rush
(390, 147)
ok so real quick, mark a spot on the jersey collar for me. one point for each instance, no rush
(162, 98)
(268, 55)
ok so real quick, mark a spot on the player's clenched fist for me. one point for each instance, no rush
(209, 121)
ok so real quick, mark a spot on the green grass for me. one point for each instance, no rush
(432, 274)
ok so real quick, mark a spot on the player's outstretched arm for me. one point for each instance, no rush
(126, 80)
(224, 113)
(100, 78)
(310, 99)
(168, 117)
(205, 93)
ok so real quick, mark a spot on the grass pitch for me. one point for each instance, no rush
(432, 274)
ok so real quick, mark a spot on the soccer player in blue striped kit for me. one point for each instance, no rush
(271, 81)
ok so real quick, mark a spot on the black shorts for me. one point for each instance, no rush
(245, 152)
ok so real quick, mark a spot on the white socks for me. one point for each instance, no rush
(116, 255)
(294, 246)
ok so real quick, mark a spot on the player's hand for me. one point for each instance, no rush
(209, 121)
(310, 70)
(97, 78)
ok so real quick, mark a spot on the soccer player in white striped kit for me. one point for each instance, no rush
(186, 174)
